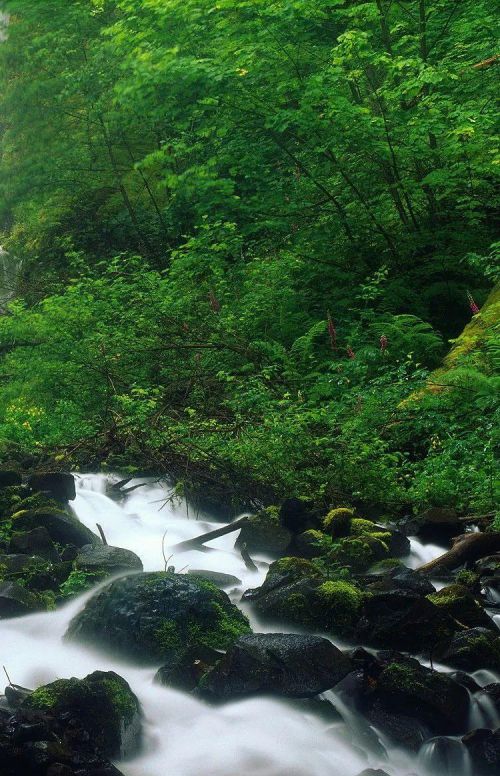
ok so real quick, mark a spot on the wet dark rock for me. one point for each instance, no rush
(10, 478)
(489, 698)
(185, 670)
(102, 704)
(60, 485)
(106, 560)
(437, 524)
(35, 542)
(465, 680)
(408, 579)
(373, 772)
(295, 515)
(297, 666)
(484, 750)
(156, 617)
(34, 743)
(306, 545)
(472, 649)
(62, 527)
(15, 600)
(216, 577)
(264, 533)
(14, 563)
(404, 620)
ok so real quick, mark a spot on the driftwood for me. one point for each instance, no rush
(103, 536)
(466, 549)
(246, 557)
(198, 542)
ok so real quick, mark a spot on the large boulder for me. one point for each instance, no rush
(484, 751)
(15, 600)
(102, 703)
(263, 532)
(155, 617)
(184, 671)
(106, 560)
(63, 527)
(405, 620)
(472, 649)
(60, 485)
(296, 666)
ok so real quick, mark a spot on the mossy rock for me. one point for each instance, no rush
(63, 527)
(459, 603)
(433, 698)
(103, 704)
(337, 523)
(311, 543)
(472, 650)
(333, 606)
(154, 617)
(264, 533)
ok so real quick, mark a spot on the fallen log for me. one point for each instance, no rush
(466, 548)
(198, 542)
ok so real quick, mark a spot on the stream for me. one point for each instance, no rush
(184, 736)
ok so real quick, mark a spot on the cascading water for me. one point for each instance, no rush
(184, 736)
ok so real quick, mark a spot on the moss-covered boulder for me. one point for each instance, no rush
(106, 560)
(263, 532)
(460, 604)
(401, 619)
(102, 703)
(291, 665)
(311, 544)
(434, 699)
(63, 527)
(338, 522)
(312, 601)
(154, 617)
(472, 650)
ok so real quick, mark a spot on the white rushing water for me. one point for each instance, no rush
(184, 736)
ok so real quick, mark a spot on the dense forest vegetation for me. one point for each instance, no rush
(251, 234)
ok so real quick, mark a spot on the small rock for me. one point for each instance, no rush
(184, 671)
(62, 527)
(60, 485)
(296, 666)
(216, 577)
(107, 560)
(35, 542)
(408, 579)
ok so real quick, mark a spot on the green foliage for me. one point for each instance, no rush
(78, 582)
(247, 234)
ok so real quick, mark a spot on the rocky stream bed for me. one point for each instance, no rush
(247, 655)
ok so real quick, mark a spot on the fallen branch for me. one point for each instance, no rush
(246, 557)
(198, 541)
(466, 549)
(103, 536)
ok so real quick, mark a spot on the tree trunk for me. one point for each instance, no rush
(466, 549)
(199, 541)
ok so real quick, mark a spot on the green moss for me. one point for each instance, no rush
(355, 554)
(47, 697)
(400, 676)
(360, 527)
(80, 581)
(338, 522)
(227, 627)
(343, 600)
(294, 568)
(121, 697)
(10, 498)
(167, 636)
(387, 564)
(37, 502)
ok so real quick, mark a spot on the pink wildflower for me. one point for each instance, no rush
(332, 332)
(473, 306)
